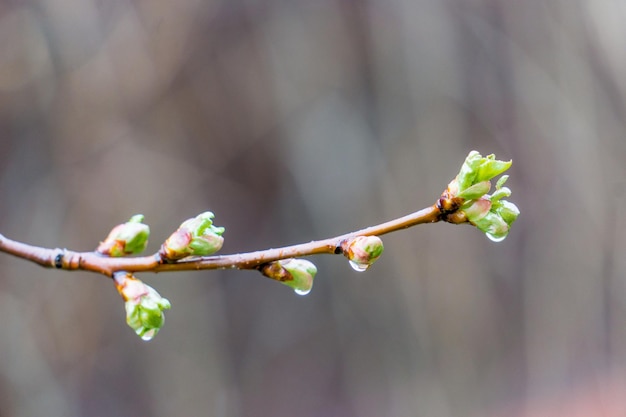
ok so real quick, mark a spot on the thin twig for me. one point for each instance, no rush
(94, 262)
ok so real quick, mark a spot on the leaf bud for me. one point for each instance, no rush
(363, 251)
(194, 237)
(144, 305)
(295, 273)
(129, 238)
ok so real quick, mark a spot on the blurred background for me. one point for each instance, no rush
(299, 120)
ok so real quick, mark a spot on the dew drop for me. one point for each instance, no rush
(149, 335)
(494, 238)
(358, 267)
(302, 291)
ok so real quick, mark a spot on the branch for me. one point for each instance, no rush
(96, 262)
(191, 246)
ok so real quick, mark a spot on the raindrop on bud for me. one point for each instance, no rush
(362, 251)
(495, 238)
(302, 292)
(358, 267)
(149, 335)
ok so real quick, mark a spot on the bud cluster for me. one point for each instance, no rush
(489, 213)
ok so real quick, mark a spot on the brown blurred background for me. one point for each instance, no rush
(296, 120)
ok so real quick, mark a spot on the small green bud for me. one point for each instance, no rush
(194, 237)
(501, 181)
(144, 305)
(295, 273)
(129, 238)
(363, 251)
(500, 194)
(136, 218)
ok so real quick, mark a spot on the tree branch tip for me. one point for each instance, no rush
(192, 245)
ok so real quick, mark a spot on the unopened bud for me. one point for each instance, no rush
(194, 237)
(500, 194)
(295, 273)
(129, 238)
(363, 251)
(501, 181)
(144, 305)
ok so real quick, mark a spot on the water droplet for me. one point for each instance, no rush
(494, 238)
(358, 267)
(302, 291)
(149, 335)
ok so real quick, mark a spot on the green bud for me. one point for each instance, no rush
(125, 239)
(363, 251)
(144, 305)
(303, 273)
(195, 237)
(500, 194)
(295, 273)
(501, 181)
